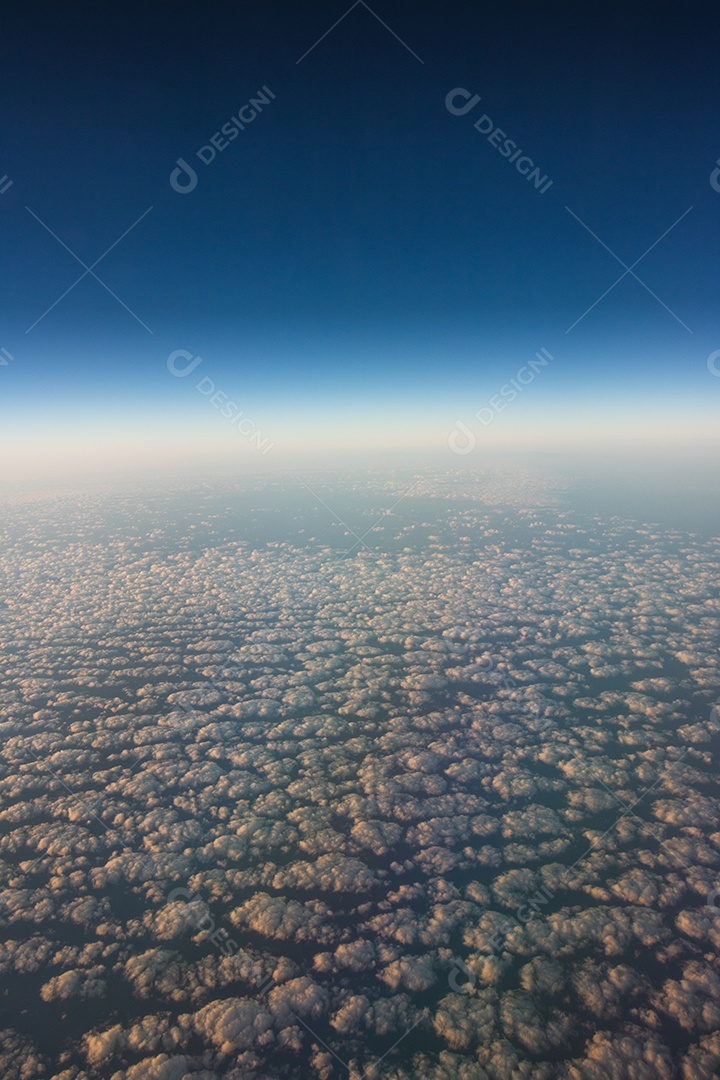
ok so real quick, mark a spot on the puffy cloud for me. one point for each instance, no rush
(161, 1067)
(643, 1057)
(702, 1061)
(281, 919)
(234, 1024)
(74, 984)
(526, 1020)
(329, 873)
(299, 997)
(413, 973)
(543, 977)
(19, 1058)
(693, 1001)
(102, 1045)
(357, 955)
(463, 1022)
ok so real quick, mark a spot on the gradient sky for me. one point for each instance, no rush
(359, 268)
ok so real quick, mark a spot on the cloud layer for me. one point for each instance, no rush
(269, 808)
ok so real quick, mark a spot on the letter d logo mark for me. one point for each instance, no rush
(715, 177)
(461, 439)
(461, 988)
(178, 894)
(470, 101)
(189, 178)
(181, 372)
(712, 366)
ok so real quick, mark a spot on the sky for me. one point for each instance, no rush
(368, 263)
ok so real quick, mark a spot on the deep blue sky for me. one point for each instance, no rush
(357, 247)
